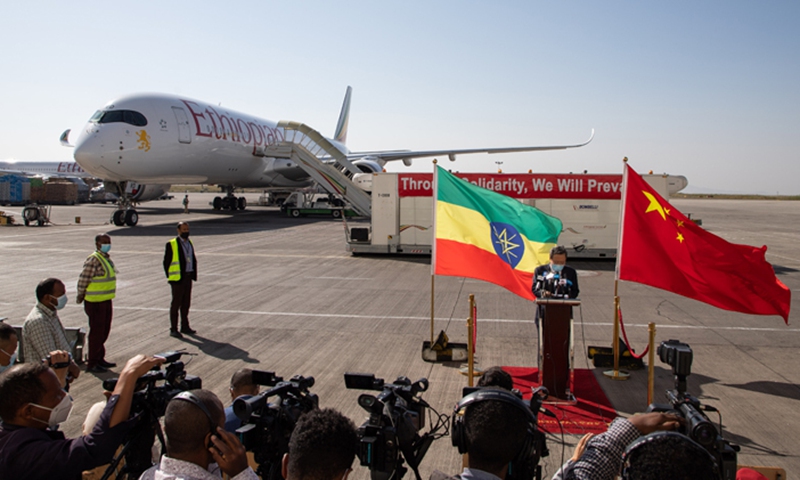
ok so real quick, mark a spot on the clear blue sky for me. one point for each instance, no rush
(710, 90)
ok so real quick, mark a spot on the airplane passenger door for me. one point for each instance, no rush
(184, 135)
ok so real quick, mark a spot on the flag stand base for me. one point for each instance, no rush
(617, 374)
(444, 351)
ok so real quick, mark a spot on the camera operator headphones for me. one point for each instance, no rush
(459, 431)
(192, 398)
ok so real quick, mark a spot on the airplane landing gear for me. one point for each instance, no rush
(125, 214)
(129, 217)
(229, 202)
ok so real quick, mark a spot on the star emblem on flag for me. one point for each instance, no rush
(507, 243)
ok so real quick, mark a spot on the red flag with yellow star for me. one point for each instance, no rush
(661, 247)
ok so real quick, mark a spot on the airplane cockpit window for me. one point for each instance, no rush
(120, 116)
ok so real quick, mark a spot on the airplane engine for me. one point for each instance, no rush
(368, 165)
(139, 192)
(145, 193)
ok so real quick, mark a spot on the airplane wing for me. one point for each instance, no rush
(407, 155)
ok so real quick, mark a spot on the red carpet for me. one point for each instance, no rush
(591, 414)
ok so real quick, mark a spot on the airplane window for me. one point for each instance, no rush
(96, 117)
(134, 118)
(123, 116)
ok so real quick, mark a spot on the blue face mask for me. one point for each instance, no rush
(62, 302)
(557, 268)
(105, 247)
(10, 362)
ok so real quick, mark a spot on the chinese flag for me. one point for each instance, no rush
(662, 248)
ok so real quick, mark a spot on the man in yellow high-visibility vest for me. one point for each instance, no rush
(180, 266)
(97, 286)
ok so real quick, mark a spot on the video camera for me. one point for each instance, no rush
(267, 427)
(391, 433)
(698, 427)
(154, 390)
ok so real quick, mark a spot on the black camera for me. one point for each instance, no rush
(267, 427)
(697, 426)
(154, 390)
(677, 355)
(390, 435)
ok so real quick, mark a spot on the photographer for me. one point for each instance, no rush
(198, 447)
(494, 434)
(322, 447)
(241, 386)
(33, 404)
(603, 456)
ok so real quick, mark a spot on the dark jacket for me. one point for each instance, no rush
(33, 454)
(181, 259)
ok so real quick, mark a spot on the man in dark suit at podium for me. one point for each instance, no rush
(555, 280)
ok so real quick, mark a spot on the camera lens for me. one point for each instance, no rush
(704, 434)
(366, 401)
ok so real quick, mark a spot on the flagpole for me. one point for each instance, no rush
(433, 250)
(616, 374)
(432, 277)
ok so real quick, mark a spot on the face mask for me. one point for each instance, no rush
(105, 247)
(185, 235)
(557, 268)
(10, 362)
(58, 414)
(61, 302)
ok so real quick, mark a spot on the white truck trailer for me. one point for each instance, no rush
(587, 204)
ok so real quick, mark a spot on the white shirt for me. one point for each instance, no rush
(174, 469)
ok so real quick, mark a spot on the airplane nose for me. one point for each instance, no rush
(89, 153)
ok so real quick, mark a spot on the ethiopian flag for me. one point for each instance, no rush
(488, 236)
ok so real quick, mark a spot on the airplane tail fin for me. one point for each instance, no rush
(344, 118)
(64, 139)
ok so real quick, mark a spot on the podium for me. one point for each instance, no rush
(555, 348)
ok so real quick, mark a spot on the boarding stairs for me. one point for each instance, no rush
(323, 162)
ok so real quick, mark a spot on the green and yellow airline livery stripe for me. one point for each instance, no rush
(485, 235)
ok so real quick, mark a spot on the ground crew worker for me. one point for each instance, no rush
(180, 266)
(186, 204)
(97, 285)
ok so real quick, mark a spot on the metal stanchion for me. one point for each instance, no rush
(470, 340)
(616, 374)
(651, 366)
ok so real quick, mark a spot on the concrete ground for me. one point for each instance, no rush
(282, 294)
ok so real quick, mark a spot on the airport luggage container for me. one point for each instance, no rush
(14, 190)
(587, 205)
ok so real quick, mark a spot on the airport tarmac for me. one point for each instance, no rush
(282, 294)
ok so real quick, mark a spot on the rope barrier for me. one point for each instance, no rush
(627, 343)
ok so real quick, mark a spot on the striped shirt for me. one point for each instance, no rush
(43, 333)
(602, 459)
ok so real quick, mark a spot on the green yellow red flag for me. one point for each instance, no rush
(488, 236)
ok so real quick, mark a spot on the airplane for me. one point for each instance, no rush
(168, 139)
(48, 169)
(136, 192)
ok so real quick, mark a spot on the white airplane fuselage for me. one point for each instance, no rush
(164, 139)
(56, 169)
